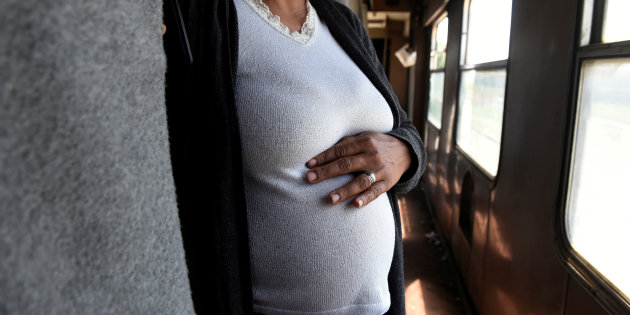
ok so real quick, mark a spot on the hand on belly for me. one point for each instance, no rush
(385, 156)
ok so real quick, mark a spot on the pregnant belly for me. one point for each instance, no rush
(307, 251)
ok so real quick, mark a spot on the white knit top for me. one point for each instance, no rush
(297, 95)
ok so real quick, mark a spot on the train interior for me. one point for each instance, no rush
(524, 108)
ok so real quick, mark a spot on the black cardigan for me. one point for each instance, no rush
(206, 149)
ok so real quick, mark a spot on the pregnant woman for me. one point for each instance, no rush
(321, 231)
(324, 147)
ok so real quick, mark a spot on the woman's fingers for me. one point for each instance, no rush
(361, 186)
(339, 166)
(372, 193)
(347, 146)
(356, 186)
(386, 156)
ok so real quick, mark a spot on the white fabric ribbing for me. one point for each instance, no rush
(294, 101)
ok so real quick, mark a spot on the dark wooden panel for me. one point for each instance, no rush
(398, 74)
(432, 10)
(469, 243)
(392, 5)
(580, 302)
(475, 270)
(422, 44)
(523, 272)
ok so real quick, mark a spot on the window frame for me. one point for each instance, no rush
(586, 274)
(486, 66)
(434, 26)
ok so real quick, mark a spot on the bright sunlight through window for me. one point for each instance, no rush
(598, 212)
(438, 62)
(488, 31)
(616, 22)
(485, 43)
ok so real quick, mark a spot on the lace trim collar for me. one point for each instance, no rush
(306, 34)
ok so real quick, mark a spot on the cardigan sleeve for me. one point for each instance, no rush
(405, 131)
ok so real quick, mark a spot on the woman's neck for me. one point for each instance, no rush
(292, 13)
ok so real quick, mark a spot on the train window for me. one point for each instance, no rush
(487, 35)
(439, 38)
(436, 93)
(485, 42)
(616, 22)
(597, 210)
(587, 13)
(595, 215)
(481, 115)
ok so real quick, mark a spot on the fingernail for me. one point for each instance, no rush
(311, 163)
(360, 203)
(311, 176)
(334, 198)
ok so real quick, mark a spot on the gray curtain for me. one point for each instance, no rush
(88, 218)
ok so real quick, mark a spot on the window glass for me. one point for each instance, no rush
(488, 32)
(442, 34)
(439, 38)
(598, 212)
(485, 38)
(616, 22)
(587, 16)
(480, 117)
(438, 48)
(435, 99)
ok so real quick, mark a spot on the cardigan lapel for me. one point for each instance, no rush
(206, 158)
